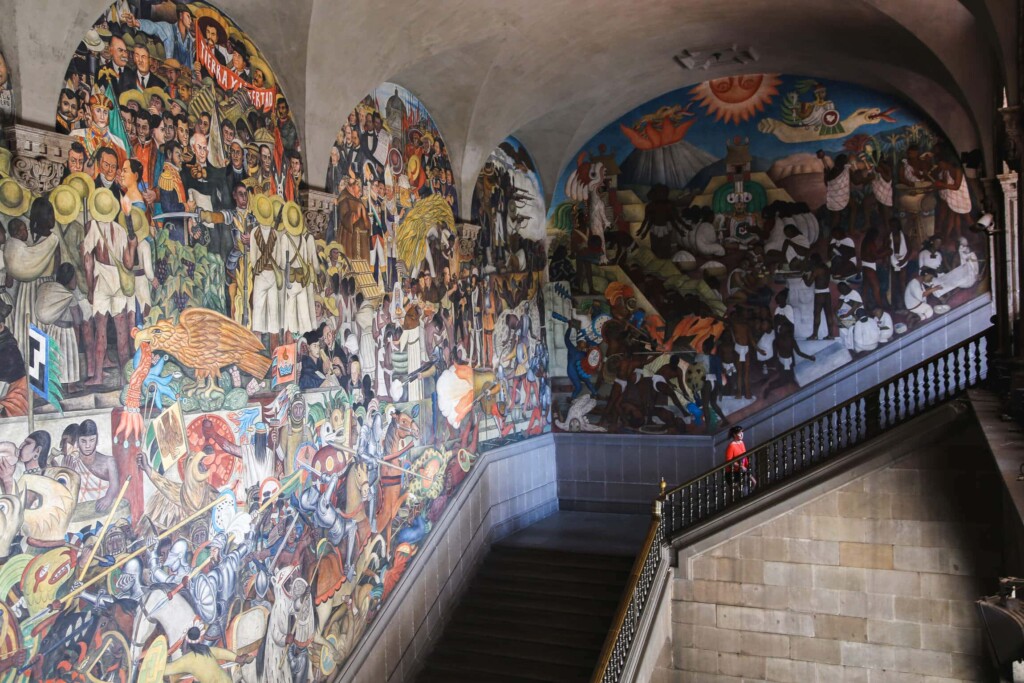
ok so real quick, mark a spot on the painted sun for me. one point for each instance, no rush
(735, 99)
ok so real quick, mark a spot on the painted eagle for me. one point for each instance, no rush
(207, 341)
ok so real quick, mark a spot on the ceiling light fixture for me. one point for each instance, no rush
(714, 57)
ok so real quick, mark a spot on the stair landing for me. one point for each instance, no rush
(542, 603)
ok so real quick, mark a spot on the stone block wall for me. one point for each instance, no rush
(872, 581)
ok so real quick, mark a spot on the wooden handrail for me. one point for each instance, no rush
(791, 454)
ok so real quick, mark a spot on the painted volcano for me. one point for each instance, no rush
(673, 165)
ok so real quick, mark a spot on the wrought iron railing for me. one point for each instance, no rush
(854, 421)
(631, 609)
(820, 439)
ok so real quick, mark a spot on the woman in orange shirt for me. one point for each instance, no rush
(739, 473)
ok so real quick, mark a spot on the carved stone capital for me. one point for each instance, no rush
(39, 156)
(319, 206)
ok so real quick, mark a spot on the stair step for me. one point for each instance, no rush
(438, 673)
(516, 568)
(499, 599)
(561, 558)
(472, 624)
(495, 643)
(553, 587)
(485, 667)
(538, 618)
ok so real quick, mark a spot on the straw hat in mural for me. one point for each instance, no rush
(263, 136)
(263, 210)
(5, 162)
(149, 93)
(140, 223)
(67, 205)
(81, 183)
(207, 19)
(278, 203)
(135, 96)
(103, 205)
(268, 76)
(291, 218)
(14, 199)
(329, 304)
(92, 41)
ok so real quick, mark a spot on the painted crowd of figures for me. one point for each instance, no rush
(706, 287)
(296, 407)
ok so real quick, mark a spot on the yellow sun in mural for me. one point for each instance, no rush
(735, 99)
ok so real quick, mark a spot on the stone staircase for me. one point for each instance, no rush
(531, 614)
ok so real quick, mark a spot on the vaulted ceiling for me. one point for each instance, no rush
(553, 73)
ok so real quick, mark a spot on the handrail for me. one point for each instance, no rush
(886, 405)
(620, 638)
(821, 438)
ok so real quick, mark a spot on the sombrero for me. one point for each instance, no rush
(263, 210)
(278, 203)
(14, 199)
(172, 63)
(140, 223)
(413, 167)
(129, 39)
(202, 21)
(135, 96)
(103, 205)
(291, 218)
(332, 247)
(329, 304)
(149, 92)
(81, 183)
(67, 205)
(93, 41)
(5, 162)
(268, 76)
(262, 136)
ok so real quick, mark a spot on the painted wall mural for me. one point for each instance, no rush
(261, 422)
(7, 108)
(722, 245)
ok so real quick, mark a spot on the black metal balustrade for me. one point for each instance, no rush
(789, 455)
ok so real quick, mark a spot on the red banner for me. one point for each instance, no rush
(227, 79)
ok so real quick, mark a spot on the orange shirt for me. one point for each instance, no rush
(735, 450)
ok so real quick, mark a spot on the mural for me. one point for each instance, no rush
(507, 334)
(262, 422)
(7, 109)
(721, 246)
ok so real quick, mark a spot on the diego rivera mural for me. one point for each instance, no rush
(725, 244)
(255, 423)
(260, 422)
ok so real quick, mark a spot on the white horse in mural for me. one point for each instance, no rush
(164, 607)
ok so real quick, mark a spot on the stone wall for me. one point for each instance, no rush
(872, 581)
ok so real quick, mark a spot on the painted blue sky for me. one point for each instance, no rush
(711, 135)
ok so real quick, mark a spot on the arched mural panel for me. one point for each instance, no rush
(725, 244)
(169, 298)
(7, 108)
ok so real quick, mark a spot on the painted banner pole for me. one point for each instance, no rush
(29, 392)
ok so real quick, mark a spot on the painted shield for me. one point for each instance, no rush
(151, 670)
